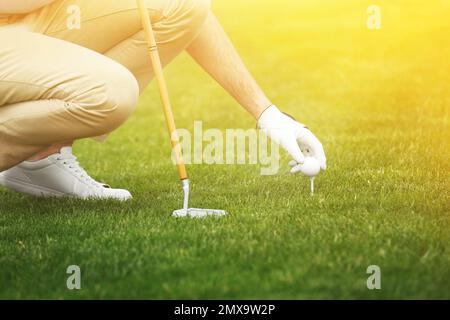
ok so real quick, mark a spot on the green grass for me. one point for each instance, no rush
(379, 102)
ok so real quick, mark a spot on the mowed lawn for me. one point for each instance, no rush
(379, 101)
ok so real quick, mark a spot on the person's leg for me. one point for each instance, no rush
(178, 24)
(114, 29)
(52, 91)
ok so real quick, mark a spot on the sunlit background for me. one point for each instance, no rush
(378, 89)
(378, 98)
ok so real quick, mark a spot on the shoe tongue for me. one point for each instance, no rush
(66, 152)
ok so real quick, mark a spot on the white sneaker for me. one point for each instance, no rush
(59, 175)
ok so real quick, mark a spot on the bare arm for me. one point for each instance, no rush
(213, 50)
(21, 6)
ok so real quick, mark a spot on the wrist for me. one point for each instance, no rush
(273, 114)
(268, 115)
(260, 105)
(263, 110)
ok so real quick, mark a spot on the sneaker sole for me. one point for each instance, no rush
(43, 192)
(30, 189)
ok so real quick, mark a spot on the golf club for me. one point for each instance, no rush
(170, 122)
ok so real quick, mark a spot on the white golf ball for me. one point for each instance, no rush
(310, 167)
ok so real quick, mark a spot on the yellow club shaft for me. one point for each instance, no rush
(164, 93)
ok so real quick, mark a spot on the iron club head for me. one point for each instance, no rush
(187, 212)
(198, 213)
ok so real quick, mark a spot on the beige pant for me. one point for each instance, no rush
(60, 83)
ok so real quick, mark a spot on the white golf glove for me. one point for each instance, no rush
(293, 136)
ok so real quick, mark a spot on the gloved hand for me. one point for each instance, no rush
(293, 136)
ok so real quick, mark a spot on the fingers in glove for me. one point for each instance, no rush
(293, 149)
(297, 168)
(315, 147)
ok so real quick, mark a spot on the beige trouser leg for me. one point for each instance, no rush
(53, 85)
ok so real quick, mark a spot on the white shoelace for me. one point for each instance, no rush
(70, 162)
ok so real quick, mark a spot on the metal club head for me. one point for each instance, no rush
(187, 212)
(198, 213)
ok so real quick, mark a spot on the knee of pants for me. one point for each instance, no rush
(197, 10)
(111, 101)
(186, 16)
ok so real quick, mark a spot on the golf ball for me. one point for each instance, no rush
(310, 167)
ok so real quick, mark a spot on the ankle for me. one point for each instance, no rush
(49, 151)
